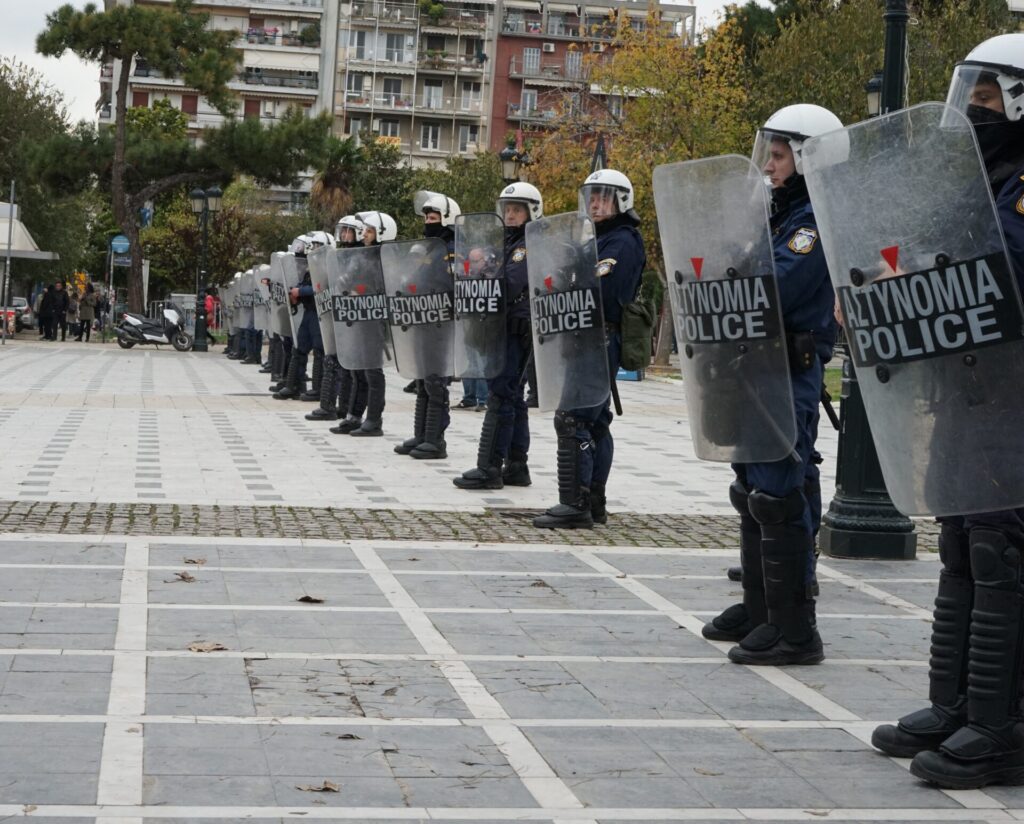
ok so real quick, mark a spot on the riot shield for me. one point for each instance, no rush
(244, 300)
(360, 307)
(717, 241)
(321, 277)
(930, 305)
(227, 306)
(479, 296)
(261, 299)
(420, 290)
(280, 308)
(566, 313)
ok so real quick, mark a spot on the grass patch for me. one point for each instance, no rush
(833, 381)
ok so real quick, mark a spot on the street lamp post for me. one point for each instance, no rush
(861, 521)
(203, 204)
(512, 162)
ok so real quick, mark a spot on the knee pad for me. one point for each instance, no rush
(954, 550)
(768, 509)
(739, 494)
(995, 562)
(565, 424)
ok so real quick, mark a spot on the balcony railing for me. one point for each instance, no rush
(547, 70)
(441, 61)
(517, 112)
(281, 80)
(403, 102)
(516, 24)
(275, 37)
(453, 18)
(384, 12)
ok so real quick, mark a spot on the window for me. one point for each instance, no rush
(433, 94)
(252, 108)
(528, 102)
(389, 128)
(469, 136)
(615, 106)
(473, 47)
(531, 61)
(190, 103)
(435, 42)
(392, 90)
(354, 85)
(355, 128)
(357, 44)
(140, 100)
(471, 97)
(430, 136)
(395, 48)
(574, 64)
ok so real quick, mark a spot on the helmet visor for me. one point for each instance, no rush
(515, 217)
(975, 86)
(297, 246)
(767, 141)
(599, 201)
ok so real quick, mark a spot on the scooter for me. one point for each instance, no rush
(170, 329)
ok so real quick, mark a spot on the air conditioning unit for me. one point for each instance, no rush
(268, 108)
(375, 125)
(549, 48)
(293, 26)
(597, 48)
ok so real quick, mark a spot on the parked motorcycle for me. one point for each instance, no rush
(170, 329)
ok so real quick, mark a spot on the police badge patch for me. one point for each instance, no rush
(604, 267)
(1020, 206)
(803, 241)
(519, 254)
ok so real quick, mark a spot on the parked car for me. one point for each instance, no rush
(23, 316)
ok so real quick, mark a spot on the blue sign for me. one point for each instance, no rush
(119, 245)
(122, 260)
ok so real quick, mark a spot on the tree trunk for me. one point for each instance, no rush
(663, 346)
(127, 218)
(135, 294)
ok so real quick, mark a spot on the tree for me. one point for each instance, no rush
(31, 112)
(331, 195)
(136, 169)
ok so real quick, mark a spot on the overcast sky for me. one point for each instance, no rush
(79, 81)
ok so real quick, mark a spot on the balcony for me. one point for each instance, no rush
(531, 115)
(558, 73)
(444, 62)
(255, 76)
(456, 19)
(429, 103)
(382, 13)
(275, 37)
(519, 24)
(387, 101)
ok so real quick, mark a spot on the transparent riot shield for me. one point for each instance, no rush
(713, 217)
(227, 306)
(295, 269)
(243, 298)
(321, 278)
(930, 305)
(566, 312)
(421, 310)
(360, 307)
(480, 327)
(280, 307)
(261, 298)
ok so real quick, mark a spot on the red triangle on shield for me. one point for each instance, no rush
(412, 288)
(549, 282)
(891, 255)
(361, 289)
(698, 265)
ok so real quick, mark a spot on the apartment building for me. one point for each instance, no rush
(543, 50)
(416, 75)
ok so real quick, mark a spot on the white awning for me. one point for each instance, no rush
(288, 61)
(532, 5)
(564, 8)
(22, 244)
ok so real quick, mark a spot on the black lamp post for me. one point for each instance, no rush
(861, 521)
(203, 204)
(512, 162)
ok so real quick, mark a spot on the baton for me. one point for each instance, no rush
(615, 398)
(826, 401)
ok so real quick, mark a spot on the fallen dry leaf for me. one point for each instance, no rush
(390, 691)
(309, 599)
(702, 771)
(195, 561)
(326, 787)
(181, 576)
(206, 646)
(539, 583)
(349, 736)
(29, 808)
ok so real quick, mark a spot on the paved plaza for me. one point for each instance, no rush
(175, 648)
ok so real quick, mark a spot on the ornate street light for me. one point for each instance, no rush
(203, 205)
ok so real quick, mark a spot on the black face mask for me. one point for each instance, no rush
(514, 233)
(983, 116)
(1001, 142)
(435, 230)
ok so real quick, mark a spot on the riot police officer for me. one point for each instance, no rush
(347, 234)
(775, 623)
(308, 336)
(432, 416)
(585, 446)
(972, 734)
(505, 434)
(365, 389)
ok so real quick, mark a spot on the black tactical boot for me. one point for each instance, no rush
(734, 573)
(418, 425)
(598, 510)
(739, 620)
(516, 472)
(990, 748)
(925, 729)
(295, 378)
(433, 446)
(373, 425)
(328, 409)
(313, 393)
(573, 508)
(790, 636)
(368, 429)
(347, 426)
(487, 472)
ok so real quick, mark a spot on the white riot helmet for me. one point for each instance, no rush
(349, 222)
(382, 223)
(607, 182)
(525, 193)
(793, 124)
(425, 201)
(304, 244)
(997, 63)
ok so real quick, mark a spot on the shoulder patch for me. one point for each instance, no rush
(803, 241)
(604, 267)
(1020, 205)
(519, 254)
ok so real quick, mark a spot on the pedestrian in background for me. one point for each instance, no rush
(87, 312)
